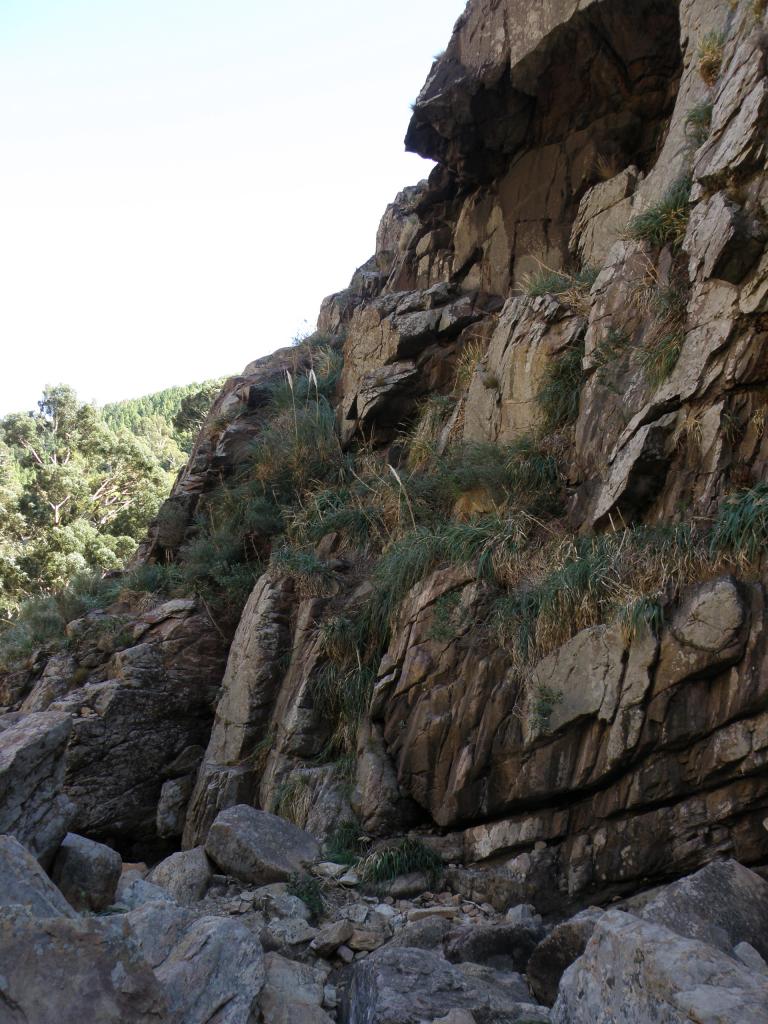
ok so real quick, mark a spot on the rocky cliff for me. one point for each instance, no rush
(501, 525)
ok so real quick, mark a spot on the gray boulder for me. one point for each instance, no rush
(32, 806)
(428, 933)
(24, 883)
(63, 971)
(87, 872)
(633, 971)
(723, 904)
(293, 993)
(210, 968)
(259, 847)
(185, 875)
(564, 944)
(409, 986)
(499, 945)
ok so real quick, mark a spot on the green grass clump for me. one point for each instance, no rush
(741, 525)
(664, 340)
(710, 56)
(313, 576)
(445, 616)
(342, 695)
(560, 391)
(309, 892)
(345, 844)
(560, 282)
(401, 858)
(698, 123)
(543, 703)
(665, 222)
(610, 348)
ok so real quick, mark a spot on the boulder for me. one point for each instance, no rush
(185, 875)
(259, 847)
(87, 872)
(427, 933)
(61, 970)
(293, 993)
(633, 971)
(329, 938)
(210, 968)
(564, 944)
(24, 883)
(284, 934)
(32, 807)
(723, 905)
(503, 945)
(409, 986)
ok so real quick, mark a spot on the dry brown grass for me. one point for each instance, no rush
(710, 57)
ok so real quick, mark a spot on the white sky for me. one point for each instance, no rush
(181, 181)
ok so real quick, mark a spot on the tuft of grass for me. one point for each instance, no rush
(710, 57)
(313, 577)
(644, 614)
(401, 858)
(341, 694)
(571, 287)
(468, 360)
(444, 625)
(698, 123)
(560, 391)
(741, 525)
(293, 799)
(758, 8)
(665, 222)
(664, 340)
(610, 348)
(346, 843)
(309, 892)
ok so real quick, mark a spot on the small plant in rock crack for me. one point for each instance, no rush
(543, 703)
(711, 57)
(309, 892)
(698, 123)
(401, 858)
(346, 843)
(446, 617)
(643, 614)
(608, 350)
(666, 221)
(741, 526)
(560, 391)
(572, 288)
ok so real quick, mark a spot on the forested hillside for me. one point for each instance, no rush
(78, 484)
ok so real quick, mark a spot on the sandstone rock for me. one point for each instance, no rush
(258, 847)
(408, 986)
(293, 993)
(185, 875)
(172, 806)
(722, 905)
(32, 806)
(633, 971)
(749, 956)
(249, 688)
(604, 213)
(24, 883)
(134, 891)
(87, 872)
(330, 937)
(56, 969)
(564, 944)
(722, 241)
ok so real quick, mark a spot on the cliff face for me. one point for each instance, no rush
(584, 273)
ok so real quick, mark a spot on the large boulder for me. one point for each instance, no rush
(185, 875)
(633, 972)
(259, 847)
(87, 872)
(61, 971)
(32, 807)
(293, 992)
(209, 968)
(24, 883)
(564, 944)
(409, 986)
(503, 945)
(723, 904)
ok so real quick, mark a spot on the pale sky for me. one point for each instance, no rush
(181, 182)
